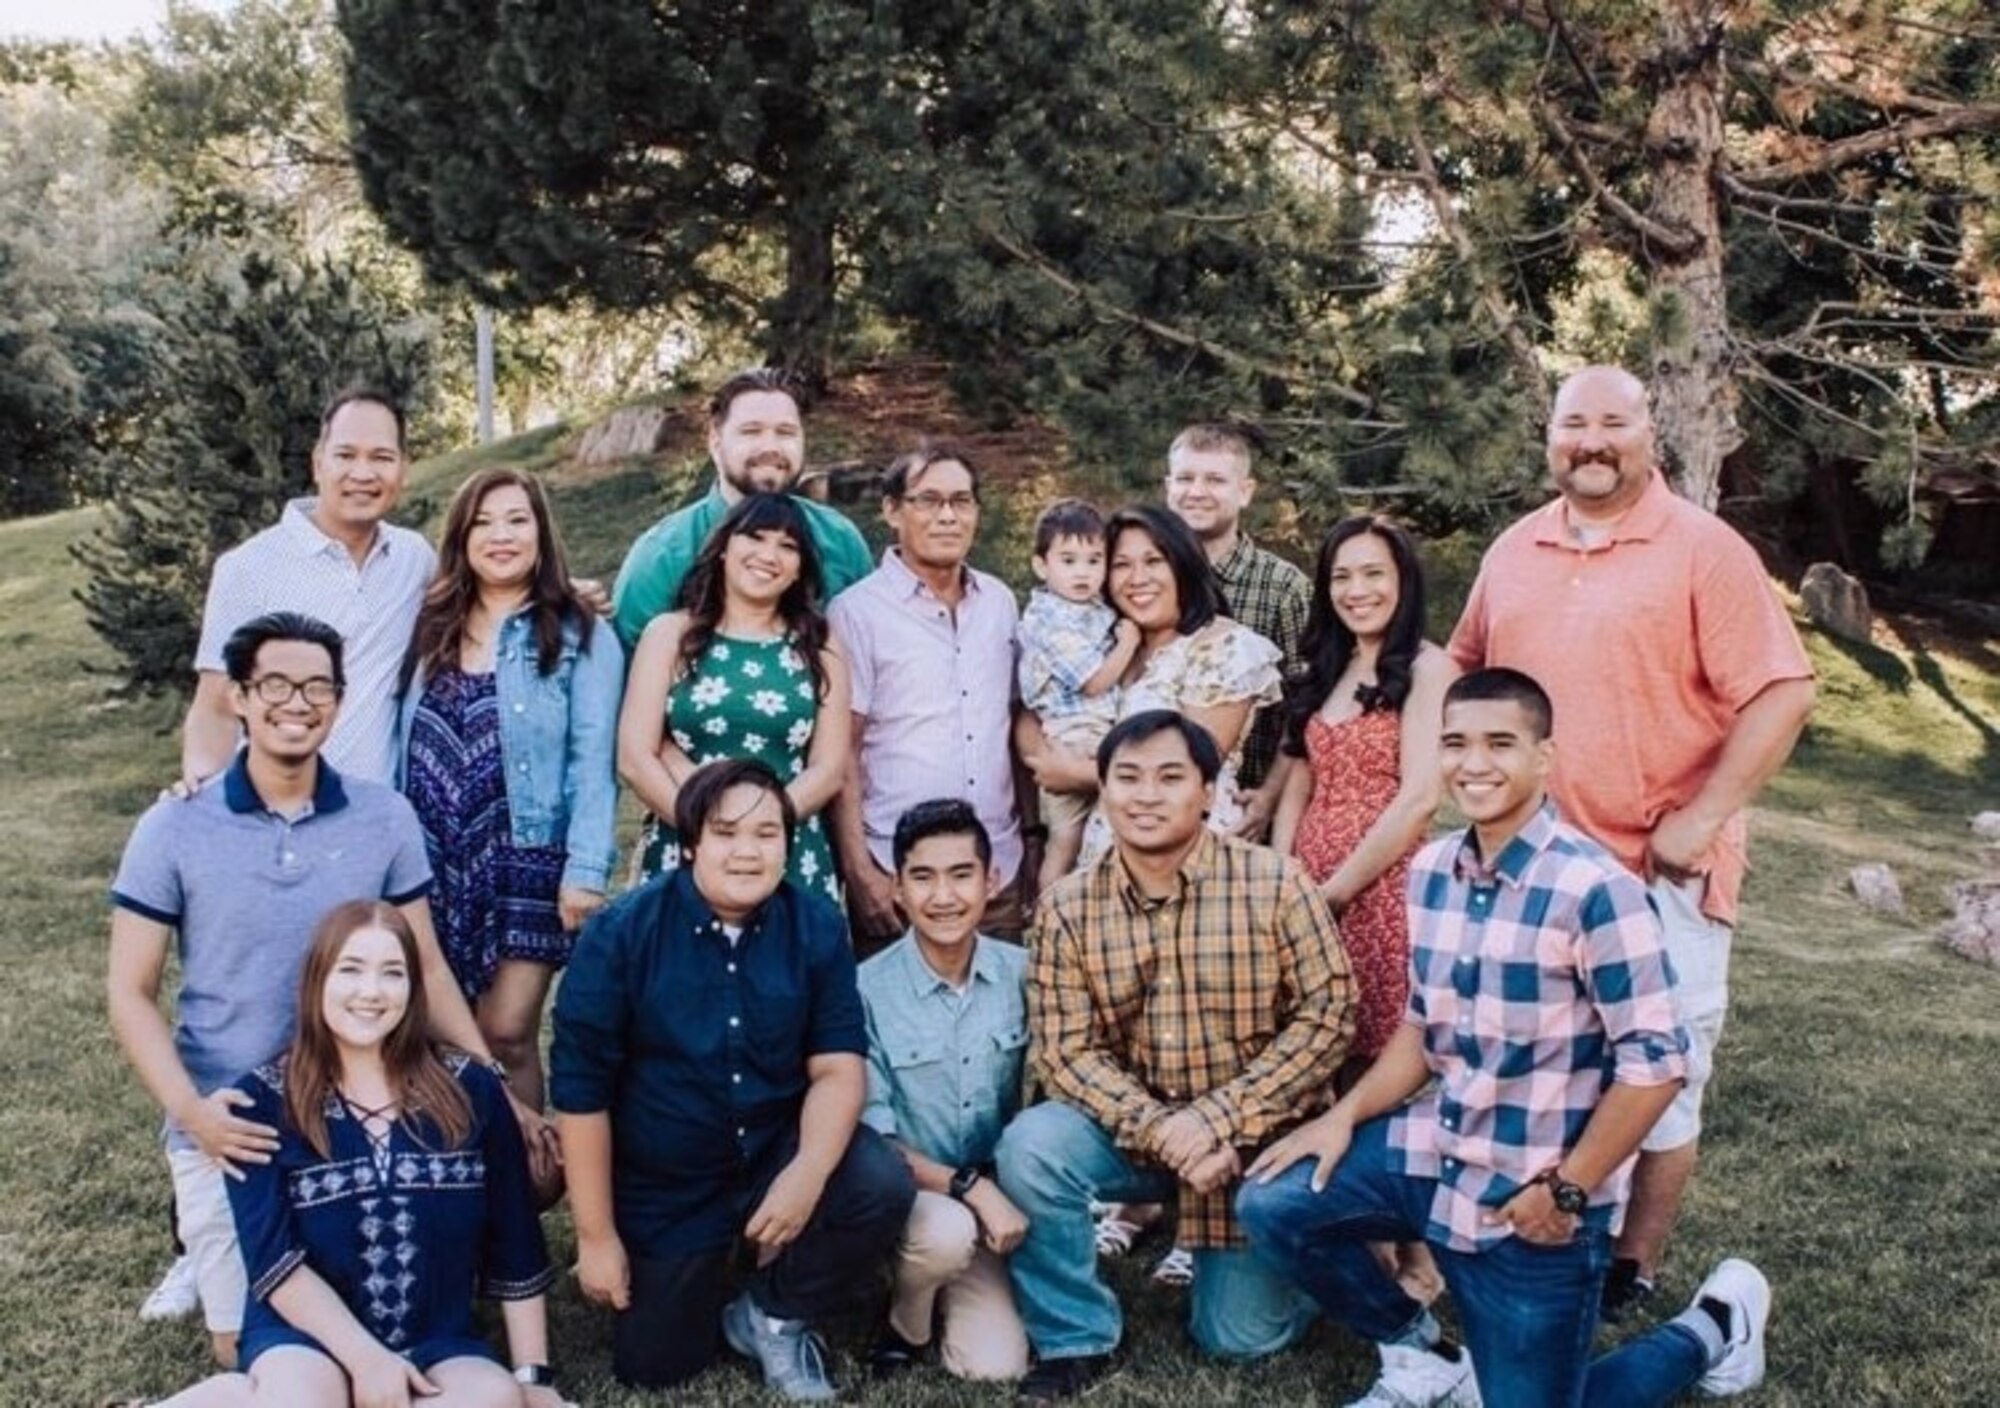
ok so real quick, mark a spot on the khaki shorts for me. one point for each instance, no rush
(208, 1231)
(1699, 950)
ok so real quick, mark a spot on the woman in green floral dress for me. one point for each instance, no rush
(744, 669)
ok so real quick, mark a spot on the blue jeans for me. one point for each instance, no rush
(1529, 1312)
(1053, 1163)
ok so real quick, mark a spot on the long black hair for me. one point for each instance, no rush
(1195, 582)
(704, 590)
(1328, 645)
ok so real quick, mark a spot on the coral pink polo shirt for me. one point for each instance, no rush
(1648, 643)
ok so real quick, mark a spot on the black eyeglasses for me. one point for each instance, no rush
(277, 689)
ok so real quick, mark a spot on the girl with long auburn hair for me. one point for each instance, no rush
(745, 669)
(509, 727)
(399, 1181)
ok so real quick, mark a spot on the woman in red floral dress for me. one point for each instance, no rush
(1365, 718)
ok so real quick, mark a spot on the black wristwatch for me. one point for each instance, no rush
(534, 1376)
(962, 1181)
(1572, 1198)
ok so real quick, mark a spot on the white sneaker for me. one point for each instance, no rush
(1742, 1287)
(176, 1296)
(1420, 1378)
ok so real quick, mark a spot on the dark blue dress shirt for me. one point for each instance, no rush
(697, 1049)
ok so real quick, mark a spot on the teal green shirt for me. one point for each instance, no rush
(945, 1068)
(650, 581)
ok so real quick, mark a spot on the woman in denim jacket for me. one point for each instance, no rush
(509, 735)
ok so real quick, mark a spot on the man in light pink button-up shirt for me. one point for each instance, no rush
(930, 643)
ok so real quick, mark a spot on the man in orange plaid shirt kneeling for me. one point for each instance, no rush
(1188, 1002)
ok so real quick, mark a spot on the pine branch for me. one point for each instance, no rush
(1519, 347)
(1179, 337)
(1677, 242)
(1961, 117)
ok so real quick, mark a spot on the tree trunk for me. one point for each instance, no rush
(1693, 389)
(799, 337)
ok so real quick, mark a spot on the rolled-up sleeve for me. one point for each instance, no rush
(514, 1264)
(1631, 984)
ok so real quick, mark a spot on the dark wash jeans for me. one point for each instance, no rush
(1529, 1312)
(673, 1328)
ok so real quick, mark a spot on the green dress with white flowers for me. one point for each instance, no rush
(748, 699)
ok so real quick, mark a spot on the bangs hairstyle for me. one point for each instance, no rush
(755, 379)
(239, 652)
(1327, 645)
(367, 396)
(1195, 582)
(434, 1107)
(941, 816)
(1067, 518)
(702, 793)
(1147, 723)
(705, 589)
(454, 592)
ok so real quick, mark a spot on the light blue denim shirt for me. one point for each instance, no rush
(558, 742)
(944, 1072)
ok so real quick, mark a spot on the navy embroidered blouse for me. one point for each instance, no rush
(403, 1234)
(697, 1048)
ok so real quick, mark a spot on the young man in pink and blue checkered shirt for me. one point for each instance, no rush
(1542, 1021)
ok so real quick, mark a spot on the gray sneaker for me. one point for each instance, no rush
(792, 1357)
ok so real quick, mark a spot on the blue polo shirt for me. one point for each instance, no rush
(244, 888)
(696, 1047)
(944, 1066)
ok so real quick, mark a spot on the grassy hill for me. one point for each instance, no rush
(1846, 1150)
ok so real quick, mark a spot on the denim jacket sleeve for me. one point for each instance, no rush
(590, 780)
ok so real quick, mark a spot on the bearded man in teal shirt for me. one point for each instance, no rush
(757, 439)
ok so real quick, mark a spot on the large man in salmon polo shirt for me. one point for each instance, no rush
(1682, 687)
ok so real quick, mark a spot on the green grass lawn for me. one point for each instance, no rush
(1847, 1152)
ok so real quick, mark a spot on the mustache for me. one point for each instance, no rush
(1603, 457)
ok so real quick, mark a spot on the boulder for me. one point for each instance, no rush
(1836, 602)
(1875, 886)
(1973, 931)
(632, 430)
(1986, 826)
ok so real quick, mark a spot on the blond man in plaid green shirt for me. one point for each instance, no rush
(1209, 485)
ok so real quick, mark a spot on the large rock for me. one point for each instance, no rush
(1973, 931)
(1836, 602)
(633, 430)
(1986, 826)
(1875, 886)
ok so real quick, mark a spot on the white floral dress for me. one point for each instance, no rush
(749, 698)
(1222, 663)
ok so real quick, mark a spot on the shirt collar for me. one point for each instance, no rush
(313, 540)
(240, 793)
(910, 584)
(924, 979)
(705, 919)
(1511, 865)
(1193, 866)
(1646, 520)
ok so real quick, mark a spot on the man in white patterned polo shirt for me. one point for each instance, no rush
(334, 558)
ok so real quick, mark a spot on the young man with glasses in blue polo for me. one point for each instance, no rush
(242, 872)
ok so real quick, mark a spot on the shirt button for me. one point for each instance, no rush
(735, 1021)
(732, 967)
(742, 1133)
(736, 1076)
(520, 708)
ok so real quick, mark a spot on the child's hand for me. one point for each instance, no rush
(1126, 632)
